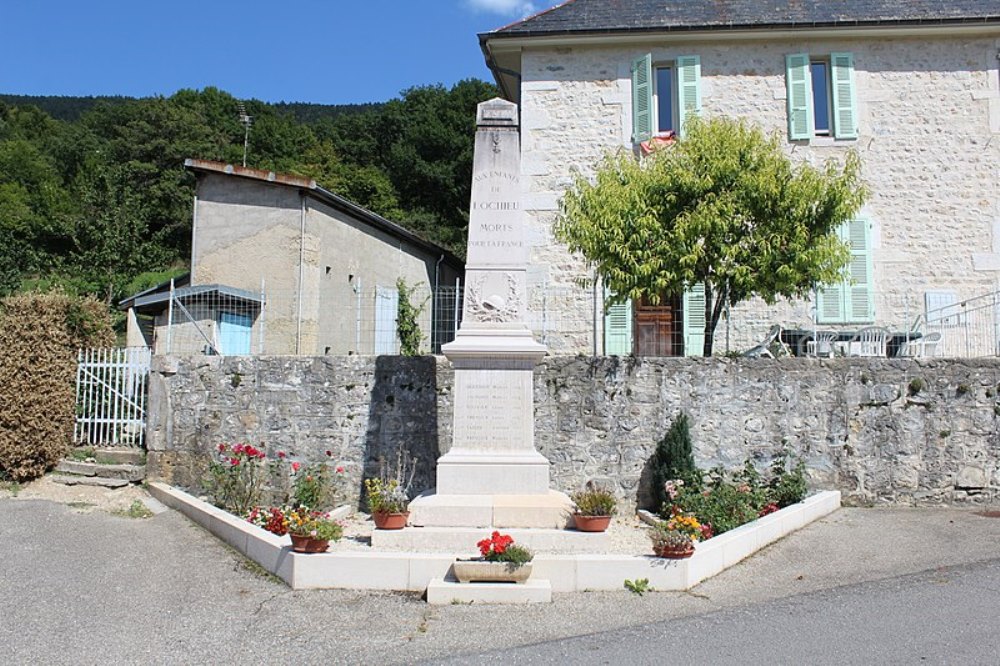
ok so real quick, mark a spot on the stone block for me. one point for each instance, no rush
(442, 592)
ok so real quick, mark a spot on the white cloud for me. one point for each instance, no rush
(506, 7)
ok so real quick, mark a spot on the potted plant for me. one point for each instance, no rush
(675, 538)
(312, 531)
(501, 561)
(388, 495)
(388, 502)
(594, 507)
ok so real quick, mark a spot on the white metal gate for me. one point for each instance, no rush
(111, 396)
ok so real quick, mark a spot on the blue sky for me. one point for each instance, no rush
(332, 51)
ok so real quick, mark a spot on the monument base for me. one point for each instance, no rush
(551, 510)
(470, 472)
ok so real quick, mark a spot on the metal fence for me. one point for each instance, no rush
(111, 396)
(568, 319)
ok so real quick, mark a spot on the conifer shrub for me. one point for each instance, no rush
(40, 335)
(673, 459)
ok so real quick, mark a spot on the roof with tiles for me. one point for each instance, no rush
(613, 16)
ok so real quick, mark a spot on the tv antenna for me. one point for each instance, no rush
(246, 121)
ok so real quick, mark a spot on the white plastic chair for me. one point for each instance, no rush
(763, 350)
(925, 346)
(870, 341)
(821, 344)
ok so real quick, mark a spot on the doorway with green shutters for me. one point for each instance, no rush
(675, 326)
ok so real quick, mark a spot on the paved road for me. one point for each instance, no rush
(948, 616)
(91, 588)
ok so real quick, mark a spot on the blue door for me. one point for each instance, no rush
(234, 333)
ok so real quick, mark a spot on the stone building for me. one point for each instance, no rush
(280, 265)
(913, 87)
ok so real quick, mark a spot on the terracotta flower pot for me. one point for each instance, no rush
(591, 523)
(390, 521)
(674, 553)
(307, 544)
(480, 571)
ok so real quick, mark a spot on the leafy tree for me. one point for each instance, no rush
(725, 207)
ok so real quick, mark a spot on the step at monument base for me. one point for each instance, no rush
(551, 510)
(442, 592)
(463, 540)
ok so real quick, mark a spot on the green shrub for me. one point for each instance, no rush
(595, 501)
(721, 505)
(673, 459)
(40, 335)
(788, 486)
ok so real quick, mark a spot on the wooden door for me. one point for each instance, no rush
(659, 328)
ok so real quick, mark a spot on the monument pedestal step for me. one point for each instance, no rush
(551, 510)
(462, 540)
(441, 592)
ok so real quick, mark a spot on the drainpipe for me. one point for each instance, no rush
(302, 270)
(434, 302)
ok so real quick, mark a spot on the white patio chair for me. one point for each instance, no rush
(821, 344)
(870, 341)
(922, 347)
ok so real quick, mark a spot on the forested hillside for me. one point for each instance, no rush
(97, 200)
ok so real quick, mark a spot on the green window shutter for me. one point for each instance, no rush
(845, 98)
(694, 320)
(617, 328)
(799, 83)
(642, 98)
(688, 89)
(830, 300)
(860, 302)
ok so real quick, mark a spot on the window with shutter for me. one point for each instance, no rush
(694, 320)
(642, 98)
(688, 90)
(845, 114)
(851, 301)
(617, 328)
(821, 96)
(799, 84)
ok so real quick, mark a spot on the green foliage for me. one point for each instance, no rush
(787, 486)
(407, 314)
(725, 207)
(721, 505)
(135, 510)
(673, 459)
(638, 586)
(98, 200)
(595, 501)
(917, 384)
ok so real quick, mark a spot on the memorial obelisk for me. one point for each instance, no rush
(493, 475)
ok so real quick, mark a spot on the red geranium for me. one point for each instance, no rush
(495, 545)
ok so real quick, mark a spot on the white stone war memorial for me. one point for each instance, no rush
(493, 475)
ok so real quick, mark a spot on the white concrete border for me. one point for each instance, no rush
(380, 570)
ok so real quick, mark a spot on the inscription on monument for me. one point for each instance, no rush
(492, 416)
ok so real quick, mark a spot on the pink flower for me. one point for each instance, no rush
(340, 469)
(234, 461)
(282, 454)
(238, 448)
(296, 466)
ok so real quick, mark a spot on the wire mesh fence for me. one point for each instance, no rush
(568, 319)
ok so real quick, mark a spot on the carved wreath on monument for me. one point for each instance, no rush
(494, 307)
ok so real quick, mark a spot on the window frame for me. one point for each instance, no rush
(674, 95)
(828, 81)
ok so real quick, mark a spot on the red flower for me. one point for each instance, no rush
(238, 448)
(329, 453)
(296, 466)
(340, 469)
(251, 451)
(282, 454)
(221, 447)
(707, 532)
(234, 461)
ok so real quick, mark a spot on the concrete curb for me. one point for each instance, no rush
(380, 570)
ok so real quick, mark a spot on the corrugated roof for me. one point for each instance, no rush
(220, 292)
(603, 16)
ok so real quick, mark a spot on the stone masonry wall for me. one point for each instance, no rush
(929, 140)
(881, 431)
